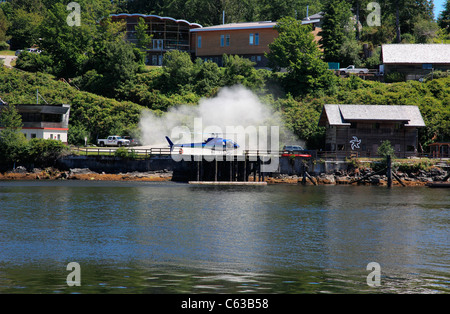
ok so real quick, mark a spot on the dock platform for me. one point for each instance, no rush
(228, 182)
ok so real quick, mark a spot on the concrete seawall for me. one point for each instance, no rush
(111, 164)
(164, 168)
(292, 166)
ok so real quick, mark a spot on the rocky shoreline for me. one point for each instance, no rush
(420, 178)
(84, 174)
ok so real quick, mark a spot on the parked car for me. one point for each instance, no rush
(353, 69)
(33, 50)
(133, 141)
(113, 140)
(292, 149)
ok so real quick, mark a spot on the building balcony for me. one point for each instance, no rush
(44, 125)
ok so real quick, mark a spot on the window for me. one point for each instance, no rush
(33, 135)
(227, 42)
(158, 44)
(427, 66)
(199, 42)
(256, 39)
(222, 40)
(250, 39)
(258, 58)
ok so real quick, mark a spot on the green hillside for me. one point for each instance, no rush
(99, 116)
(91, 115)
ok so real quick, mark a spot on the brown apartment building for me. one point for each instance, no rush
(167, 34)
(250, 40)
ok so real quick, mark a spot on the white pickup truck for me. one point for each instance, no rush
(352, 69)
(113, 140)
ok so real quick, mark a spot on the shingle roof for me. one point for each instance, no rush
(246, 25)
(416, 53)
(314, 16)
(234, 26)
(344, 114)
(147, 16)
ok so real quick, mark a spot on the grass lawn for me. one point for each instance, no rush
(7, 53)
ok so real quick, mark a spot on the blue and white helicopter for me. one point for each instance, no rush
(214, 143)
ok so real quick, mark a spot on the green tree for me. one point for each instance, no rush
(336, 28)
(240, 70)
(444, 17)
(24, 28)
(295, 50)
(425, 31)
(406, 13)
(13, 144)
(111, 60)
(274, 10)
(67, 45)
(143, 38)
(77, 135)
(177, 71)
(208, 76)
(4, 24)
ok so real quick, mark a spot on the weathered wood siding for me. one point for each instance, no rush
(371, 135)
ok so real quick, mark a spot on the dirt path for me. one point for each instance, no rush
(7, 60)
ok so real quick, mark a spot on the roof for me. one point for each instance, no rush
(237, 26)
(47, 108)
(314, 16)
(344, 114)
(416, 53)
(149, 16)
(245, 25)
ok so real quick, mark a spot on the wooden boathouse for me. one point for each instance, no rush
(360, 129)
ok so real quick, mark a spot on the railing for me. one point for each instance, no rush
(166, 151)
(111, 151)
(144, 153)
(342, 155)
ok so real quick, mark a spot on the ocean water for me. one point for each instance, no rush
(165, 237)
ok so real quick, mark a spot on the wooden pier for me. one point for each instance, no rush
(229, 169)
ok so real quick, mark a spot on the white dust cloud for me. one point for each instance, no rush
(235, 108)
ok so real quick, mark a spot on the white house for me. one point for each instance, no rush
(44, 121)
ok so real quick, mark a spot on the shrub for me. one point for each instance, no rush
(415, 166)
(44, 152)
(4, 45)
(386, 150)
(34, 62)
(77, 134)
(126, 154)
(394, 77)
